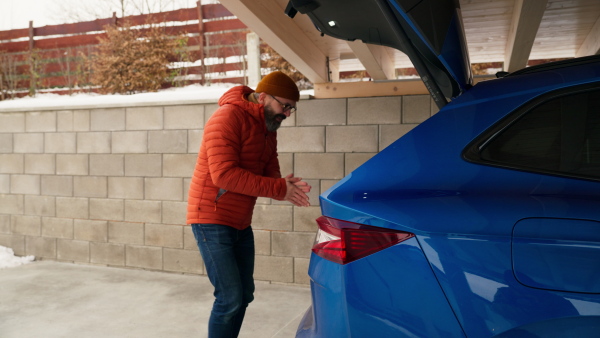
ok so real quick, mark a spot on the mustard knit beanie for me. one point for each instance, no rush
(279, 84)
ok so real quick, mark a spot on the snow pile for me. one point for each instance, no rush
(9, 260)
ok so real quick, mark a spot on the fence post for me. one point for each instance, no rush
(201, 41)
(32, 82)
(253, 50)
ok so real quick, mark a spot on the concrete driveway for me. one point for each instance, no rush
(52, 299)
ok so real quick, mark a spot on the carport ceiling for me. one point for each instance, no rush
(508, 31)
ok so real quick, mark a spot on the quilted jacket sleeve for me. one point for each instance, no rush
(224, 147)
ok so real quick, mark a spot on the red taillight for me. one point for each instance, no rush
(343, 242)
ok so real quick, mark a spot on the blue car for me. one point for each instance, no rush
(482, 221)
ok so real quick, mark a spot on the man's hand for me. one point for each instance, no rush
(296, 191)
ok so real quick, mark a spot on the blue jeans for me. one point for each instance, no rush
(228, 255)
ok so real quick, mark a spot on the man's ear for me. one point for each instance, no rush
(261, 97)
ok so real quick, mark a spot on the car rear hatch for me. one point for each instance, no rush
(430, 32)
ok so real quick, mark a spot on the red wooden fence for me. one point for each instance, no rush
(50, 58)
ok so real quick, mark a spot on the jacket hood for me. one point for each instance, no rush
(237, 96)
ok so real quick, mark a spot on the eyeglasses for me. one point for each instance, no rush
(285, 106)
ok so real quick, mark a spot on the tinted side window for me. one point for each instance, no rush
(561, 135)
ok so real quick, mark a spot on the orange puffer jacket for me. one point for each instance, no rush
(237, 163)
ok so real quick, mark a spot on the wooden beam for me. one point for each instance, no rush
(376, 59)
(369, 88)
(527, 15)
(591, 44)
(267, 19)
(338, 90)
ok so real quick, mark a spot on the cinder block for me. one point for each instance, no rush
(189, 240)
(93, 231)
(170, 141)
(72, 207)
(389, 134)
(286, 163)
(144, 257)
(40, 164)
(110, 119)
(322, 112)
(174, 212)
(143, 165)
(107, 253)
(184, 117)
(186, 187)
(130, 142)
(434, 107)
(265, 200)
(73, 120)
(170, 236)
(319, 166)
(355, 160)
(15, 242)
(164, 189)
(5, 224)
(60, 143)
(12, 163)
(274, 269)
(176, 165)
(93, 143)
(145, 118)
(186, 261)
(272, 217)
(11, 204)
(301, 271)
(126, 233)
(327, 184)
(57, 227)
(126, 187)
(6, 143)
(107, 165)
(40, 121)
(107, 209)
(40, 205)
(292, 244)
(262, 242)
(25, 184)
(72, 164)
(305, 219)
(40, 247)
(143, 211)
(71, 250)
(32, 143)
(57, 185)
(416, 108)
(4, 183)
(313, 139)
(374, 110)
(12, 122)
(90, 186)
(26, 225)
(352, 139)
(194, 140)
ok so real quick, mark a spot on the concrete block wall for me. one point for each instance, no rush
(108, 185)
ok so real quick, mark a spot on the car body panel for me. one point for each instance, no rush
(396, 310)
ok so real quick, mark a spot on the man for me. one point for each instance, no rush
(238, 163)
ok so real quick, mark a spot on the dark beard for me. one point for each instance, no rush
(271, 119)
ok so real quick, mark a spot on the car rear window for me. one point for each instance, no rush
(560, 135)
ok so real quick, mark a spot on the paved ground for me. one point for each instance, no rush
(52, 299)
